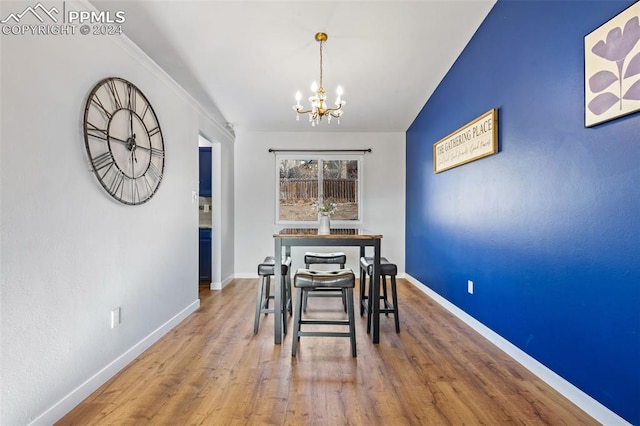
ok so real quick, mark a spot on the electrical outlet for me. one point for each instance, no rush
(115, 318)
(470, 286)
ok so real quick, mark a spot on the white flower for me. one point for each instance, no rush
(327, 207)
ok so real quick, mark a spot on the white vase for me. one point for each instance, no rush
(324, 225)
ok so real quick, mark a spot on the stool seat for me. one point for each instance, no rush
(307, 280)
(267, 267)
(386, 267)
(338, 258)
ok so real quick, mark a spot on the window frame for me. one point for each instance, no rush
(318, 156)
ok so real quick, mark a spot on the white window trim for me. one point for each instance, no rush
(319, 156)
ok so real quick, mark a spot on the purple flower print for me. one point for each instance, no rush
(619, 43)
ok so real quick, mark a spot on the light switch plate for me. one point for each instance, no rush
(115, 318)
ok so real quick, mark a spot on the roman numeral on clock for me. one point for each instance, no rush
(103, 160)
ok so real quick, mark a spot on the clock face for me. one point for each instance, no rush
(124, 141)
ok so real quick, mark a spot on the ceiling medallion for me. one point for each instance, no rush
(318, 99)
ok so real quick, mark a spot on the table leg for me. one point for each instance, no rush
(375, 294)
(277, 276)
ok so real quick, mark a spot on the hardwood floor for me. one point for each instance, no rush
(212, 370)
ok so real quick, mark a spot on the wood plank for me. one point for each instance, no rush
(212, 369)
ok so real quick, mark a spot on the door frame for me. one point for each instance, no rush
(216, 215)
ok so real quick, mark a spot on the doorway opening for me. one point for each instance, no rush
(209, 208)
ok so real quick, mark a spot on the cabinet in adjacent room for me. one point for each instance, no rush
(205, 255)
(205, 207)
(205, 171)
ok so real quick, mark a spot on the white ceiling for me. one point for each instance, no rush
(250, 57)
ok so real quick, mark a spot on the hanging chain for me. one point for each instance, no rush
(321, 43)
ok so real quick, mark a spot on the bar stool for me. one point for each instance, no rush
(266, 271)
(306, 280)
(386, 269)
(338, 258)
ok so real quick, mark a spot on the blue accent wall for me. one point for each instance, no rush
(549, 227)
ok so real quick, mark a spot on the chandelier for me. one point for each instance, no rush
(318, 99)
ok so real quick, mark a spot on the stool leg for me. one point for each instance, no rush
(344, 296)
(296, 322)
(394, 296)
(344, 300)
(267, 291)
(369, 304)
(363, 286)
(304, 301)
(352, 322)
(385, 300)
(283, 306)
(289, 295)
(256, 322)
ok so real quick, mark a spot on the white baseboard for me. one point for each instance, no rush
(589, 405)
(66, 404)
(221, 285)
(226, 281)
(251, 275)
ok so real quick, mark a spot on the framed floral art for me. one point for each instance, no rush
(612, 68)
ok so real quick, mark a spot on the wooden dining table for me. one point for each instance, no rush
(338, 237)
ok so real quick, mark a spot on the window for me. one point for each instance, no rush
(304, 179)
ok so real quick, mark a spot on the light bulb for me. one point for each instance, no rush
(314, 87)
(339, 91)
(298, 96)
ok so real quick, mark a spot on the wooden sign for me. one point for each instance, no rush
(473, 141)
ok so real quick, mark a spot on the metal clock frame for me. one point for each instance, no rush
(112, 104)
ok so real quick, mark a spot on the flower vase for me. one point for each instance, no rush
(324, 224)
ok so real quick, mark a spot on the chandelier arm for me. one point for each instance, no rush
(301, 111)
(333, 109)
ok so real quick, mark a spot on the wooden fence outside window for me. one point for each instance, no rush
(339, 190)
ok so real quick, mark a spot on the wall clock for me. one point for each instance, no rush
(123, 140)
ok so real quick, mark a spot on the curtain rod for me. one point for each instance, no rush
(320, 150)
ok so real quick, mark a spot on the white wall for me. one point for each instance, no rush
(69, 252)
(383, 191)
